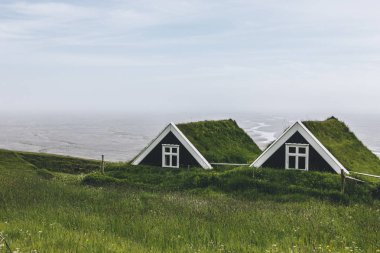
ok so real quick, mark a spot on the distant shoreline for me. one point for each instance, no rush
(122, 137)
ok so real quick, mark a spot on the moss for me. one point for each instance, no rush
(221, 141)
(344, 145)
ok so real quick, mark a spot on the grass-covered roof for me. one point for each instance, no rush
(344, 145)
(221, 141)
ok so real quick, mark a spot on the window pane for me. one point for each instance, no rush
(167, 150)
(302, 150)
(292, 150)
(167, 160)
(174, 160)
(301, 163)
(292, 162)
(174, 150)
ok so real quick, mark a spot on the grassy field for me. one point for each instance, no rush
(142, 209)
(242, 182)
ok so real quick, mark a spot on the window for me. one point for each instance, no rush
(170, 156)
(297, 156)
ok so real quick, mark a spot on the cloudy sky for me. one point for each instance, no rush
(183, 55)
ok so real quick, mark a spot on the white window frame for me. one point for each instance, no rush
(296, 155)
(171, 154)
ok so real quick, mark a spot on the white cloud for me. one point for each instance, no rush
(54, 10)
(257, 46)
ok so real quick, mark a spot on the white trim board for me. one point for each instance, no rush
(310, 138)
(184, 141)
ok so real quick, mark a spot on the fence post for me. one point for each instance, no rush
(102, 167)
(343, 180)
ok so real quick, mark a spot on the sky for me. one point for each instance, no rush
(182, 56)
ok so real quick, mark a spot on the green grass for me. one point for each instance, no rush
(345, 146)
(241, 182)
(60, 163)
(61, 215)
(221, 141)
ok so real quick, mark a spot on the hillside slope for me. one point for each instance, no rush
(12, 159)
(60, 163)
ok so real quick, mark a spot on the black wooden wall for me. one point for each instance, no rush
(155, 156)
(316, 162)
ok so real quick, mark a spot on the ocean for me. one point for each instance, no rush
(121, 136)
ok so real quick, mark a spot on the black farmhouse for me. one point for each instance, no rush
(199, 144)
(298, 148)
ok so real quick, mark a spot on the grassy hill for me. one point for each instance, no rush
(344, 145)
(143, 209)
(60, 163)
(221, 141)
(11, 159)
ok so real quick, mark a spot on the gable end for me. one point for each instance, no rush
(155, 155)
(319, 149)
(172, 135)
(316, 161)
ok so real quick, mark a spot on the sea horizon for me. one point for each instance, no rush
(121, 136)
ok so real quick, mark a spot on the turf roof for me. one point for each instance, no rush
(344, 145)
(221, 141)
